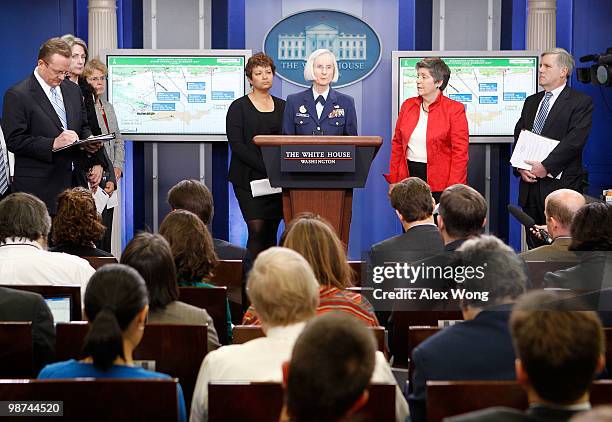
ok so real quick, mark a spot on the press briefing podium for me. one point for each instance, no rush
(318, 173)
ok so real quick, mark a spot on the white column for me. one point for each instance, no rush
(541, 24)
(102, 26)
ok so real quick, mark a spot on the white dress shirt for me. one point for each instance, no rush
(319, 106)
(261, 360)
(24, 262)
(417, 144)
(555, 94)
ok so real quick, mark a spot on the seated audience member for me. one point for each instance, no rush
(462, 214)
(560, 207)
(151, 256)
(314, 239)
(24, 228)
(559, 352)
(192, 250)
(480, 348)
(329, 372)
(116, 306)
(194, 196)
(592, 241)
(285, 292)
(77, 226)
(17, 305)
(411, 198)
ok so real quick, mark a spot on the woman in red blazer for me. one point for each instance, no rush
(431, 134)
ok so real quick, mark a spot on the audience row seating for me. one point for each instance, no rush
(243, 333)
(99, 261)
(450, 398)
(176, 350)
(214, 300)
(100, 400)
(538, 269)
(262, 401)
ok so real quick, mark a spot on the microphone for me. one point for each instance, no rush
(589, 58)
(528, 222)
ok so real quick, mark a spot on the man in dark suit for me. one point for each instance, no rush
(480, 348)
(559, 351)
(561, 113)
(411, 198)
(16, 305)
(42, 113)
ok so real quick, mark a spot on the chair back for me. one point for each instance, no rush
(176, 350)
(214, 300)
(99, 261)
(100, 399)
(538, 269)
(450, 398)
(16, 354)
(263, 401)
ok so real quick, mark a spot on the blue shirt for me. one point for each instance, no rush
(74, 369)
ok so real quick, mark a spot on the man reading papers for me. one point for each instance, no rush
(560, 113)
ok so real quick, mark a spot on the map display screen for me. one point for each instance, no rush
(492, 89)
(174, 95)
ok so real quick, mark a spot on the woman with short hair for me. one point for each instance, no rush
(431, 136)
(116, 306)
(320, 110)
(77, 226)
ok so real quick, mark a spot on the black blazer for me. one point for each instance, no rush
(479, 349)
(539, 413)
(17, 305)
(569, 122)
(417, 243)
(30, 126)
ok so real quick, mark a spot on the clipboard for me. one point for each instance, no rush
(99, 138)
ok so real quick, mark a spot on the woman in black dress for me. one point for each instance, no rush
(257, 113)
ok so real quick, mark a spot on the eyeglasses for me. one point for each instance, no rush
(62, 73)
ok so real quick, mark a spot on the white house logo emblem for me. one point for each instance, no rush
(354, 43)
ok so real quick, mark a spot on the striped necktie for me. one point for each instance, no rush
(58, 105)
(4, 182)
(538, 125)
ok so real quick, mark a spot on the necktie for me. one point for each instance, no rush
(540, 119)
(4, 183)
(320, 100)
(58, 105)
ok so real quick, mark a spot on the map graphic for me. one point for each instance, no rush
(174, 95)
(492, 89)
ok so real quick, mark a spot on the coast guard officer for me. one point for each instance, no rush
(320, 110)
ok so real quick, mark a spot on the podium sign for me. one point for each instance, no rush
(318, 173)
(318, 158)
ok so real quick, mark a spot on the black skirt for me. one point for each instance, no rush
(268, 207)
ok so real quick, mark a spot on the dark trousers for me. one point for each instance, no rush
(534, 207)
(107, 220)
(416, 169)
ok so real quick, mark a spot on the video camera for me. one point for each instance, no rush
(598, 74)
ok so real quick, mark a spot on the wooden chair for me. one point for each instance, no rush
(538, 269)
(357, 267)
(99, 261)
(450, 398)
(177, 350)
(102, 399)
(417, 335)
(403, 320)
(243, 333)
(214, 300)
(229, 273)
(263, 401)
(49, 291)
(16, 354)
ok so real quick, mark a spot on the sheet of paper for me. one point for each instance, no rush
(262, 187)
(113, 201)
(531, 146)
(101, 199)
